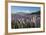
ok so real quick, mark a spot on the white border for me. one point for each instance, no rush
(24, 30)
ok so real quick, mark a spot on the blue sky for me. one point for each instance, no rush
(16, 9)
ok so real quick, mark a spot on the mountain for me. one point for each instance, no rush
(22, 13)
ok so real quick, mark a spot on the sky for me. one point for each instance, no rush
(23, 9)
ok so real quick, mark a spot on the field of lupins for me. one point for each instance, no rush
(33, 22)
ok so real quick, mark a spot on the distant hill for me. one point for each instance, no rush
(36, 12)
(19, 13)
